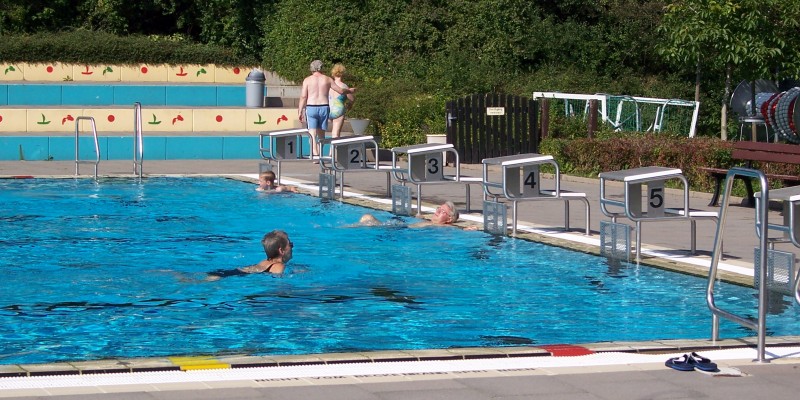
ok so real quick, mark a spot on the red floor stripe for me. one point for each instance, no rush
(566, 350)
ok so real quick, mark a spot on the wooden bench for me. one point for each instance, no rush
(757, 151)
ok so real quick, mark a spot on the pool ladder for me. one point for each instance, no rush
(759, 324)
(138, 150)
(78, 160)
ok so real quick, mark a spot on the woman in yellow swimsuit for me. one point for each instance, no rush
(339, 103)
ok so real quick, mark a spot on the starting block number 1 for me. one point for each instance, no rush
(287, 146)
(655, 199)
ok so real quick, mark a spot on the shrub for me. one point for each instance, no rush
(85, 47)
(400, 114)
(589, 157)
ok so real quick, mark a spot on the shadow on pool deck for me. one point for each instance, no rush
(774, 380)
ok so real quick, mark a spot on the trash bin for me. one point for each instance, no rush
(254, 89)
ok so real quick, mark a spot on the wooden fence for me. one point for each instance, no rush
(492, 125)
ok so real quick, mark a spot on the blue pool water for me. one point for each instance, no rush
(115, 268)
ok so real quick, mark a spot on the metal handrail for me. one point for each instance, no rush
(271, 154)
(78, 160)
(138, 149)
(759, 325)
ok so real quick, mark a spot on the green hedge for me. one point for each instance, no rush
(85, 47)
(589, 157)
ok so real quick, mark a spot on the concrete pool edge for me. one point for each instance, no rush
(245, 361)
(241, 361)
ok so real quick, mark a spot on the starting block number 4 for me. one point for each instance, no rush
(524, 181)
(530, 187)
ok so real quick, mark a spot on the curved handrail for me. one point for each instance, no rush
(797, 290)
(759, 325)
(78, 160)
(138, 149)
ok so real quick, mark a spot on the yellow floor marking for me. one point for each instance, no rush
(200, 362)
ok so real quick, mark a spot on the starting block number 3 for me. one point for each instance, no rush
(434, 170)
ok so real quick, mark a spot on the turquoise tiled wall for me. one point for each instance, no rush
(89, 95)
(24, 148)
(62, 148)
(121, 95)
(240, 148)
(119, 148)
(147, 95)
(155, 148)
(40, 95)
(230, 96)
(194, 148)
(191, 95)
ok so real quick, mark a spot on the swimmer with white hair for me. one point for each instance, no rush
(445, 214)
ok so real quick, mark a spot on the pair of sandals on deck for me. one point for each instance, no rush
(690, 362)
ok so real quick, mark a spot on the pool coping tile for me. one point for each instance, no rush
(523, 351)
(389, 355)
(11, 370)
(149, 364)
(246, 361)
(300, 359)
(471, 353)
(434, 355)
(49, 369)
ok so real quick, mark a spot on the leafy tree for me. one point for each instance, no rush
(748, 37)
(30, 16)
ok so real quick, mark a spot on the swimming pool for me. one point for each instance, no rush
(98, 270)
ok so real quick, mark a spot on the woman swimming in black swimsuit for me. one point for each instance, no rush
(278, 248)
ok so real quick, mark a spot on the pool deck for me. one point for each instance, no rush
(613, 371)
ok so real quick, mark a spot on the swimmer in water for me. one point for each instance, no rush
(278, 249)
(266, 183)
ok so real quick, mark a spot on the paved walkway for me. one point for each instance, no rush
(613, 379)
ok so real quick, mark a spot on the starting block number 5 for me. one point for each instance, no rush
(655, 199)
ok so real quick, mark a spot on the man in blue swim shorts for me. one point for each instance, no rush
(313, 108)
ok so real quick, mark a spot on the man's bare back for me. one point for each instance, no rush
(313, 108)
(316, 87)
